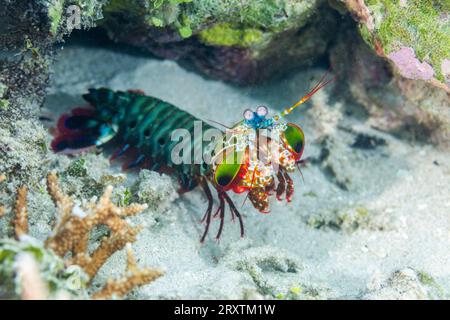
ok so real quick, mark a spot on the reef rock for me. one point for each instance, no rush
(394, 66)
(391, 57)
(394, 60)
(28, 32)
(239, 41)
(412, 34)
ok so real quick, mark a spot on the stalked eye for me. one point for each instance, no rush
(262, 111)
(294, 139)
(248, 114)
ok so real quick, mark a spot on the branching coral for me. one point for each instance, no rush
(72, 231)
(70, 238)
(135, 277)
(21, 219)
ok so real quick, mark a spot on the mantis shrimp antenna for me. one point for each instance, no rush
(320, 84)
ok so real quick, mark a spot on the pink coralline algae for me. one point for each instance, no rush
(445, 68)
(409, 66)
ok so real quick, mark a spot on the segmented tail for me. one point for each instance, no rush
(86, 127)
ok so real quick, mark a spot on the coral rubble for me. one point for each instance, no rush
(24, 157)
(405, 284)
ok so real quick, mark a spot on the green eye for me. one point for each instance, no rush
(294, 138)
(227, 171)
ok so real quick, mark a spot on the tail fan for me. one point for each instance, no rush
(73, 143)
(79, 131)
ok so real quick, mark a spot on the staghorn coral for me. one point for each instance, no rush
(72, 231)
(21, 213)
(135, 277)
(67, 248)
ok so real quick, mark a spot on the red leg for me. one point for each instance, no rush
(289, 187)
(222, 216)
(222, 204)
(207, 216)
(281, 188)
(235, 211)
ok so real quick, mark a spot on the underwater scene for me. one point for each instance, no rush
(225, 149)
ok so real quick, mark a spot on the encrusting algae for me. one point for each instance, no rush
(2, 209)
(70, 237)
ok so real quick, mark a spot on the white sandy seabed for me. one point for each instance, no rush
(386, 236)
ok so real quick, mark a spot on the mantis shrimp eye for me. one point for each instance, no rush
(294, 139)
(248, 114)
(262, 111)
(230, 170)
(226, 174)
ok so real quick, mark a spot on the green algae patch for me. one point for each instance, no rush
(225, 34)
(435, 290)
(268, 15)
(419, 24)
(77, 168)
(123, 5)
(158, 14)
(55, 11)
